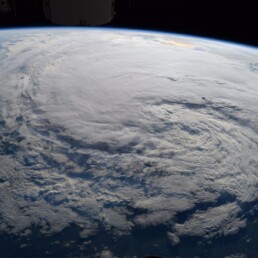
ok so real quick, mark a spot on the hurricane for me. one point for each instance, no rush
(117, 133)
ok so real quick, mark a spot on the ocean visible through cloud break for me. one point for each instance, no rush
(124, 143)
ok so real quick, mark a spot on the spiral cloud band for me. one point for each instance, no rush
(117, 130)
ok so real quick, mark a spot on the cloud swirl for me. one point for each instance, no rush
(117, 130)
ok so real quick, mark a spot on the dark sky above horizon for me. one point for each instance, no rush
(233, 20)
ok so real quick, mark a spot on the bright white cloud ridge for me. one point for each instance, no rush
(120, 129)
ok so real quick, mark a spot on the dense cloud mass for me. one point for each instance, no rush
(117, 130)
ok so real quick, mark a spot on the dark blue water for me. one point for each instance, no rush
(142, 242)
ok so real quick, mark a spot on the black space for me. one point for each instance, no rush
(232, 20)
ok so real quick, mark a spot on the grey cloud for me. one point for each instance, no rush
(125, 148)
(221, 220)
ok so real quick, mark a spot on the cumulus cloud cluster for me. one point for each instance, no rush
(123, 129)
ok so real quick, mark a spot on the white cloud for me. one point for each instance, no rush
(93, 132)
(173, 238)
(221, 220)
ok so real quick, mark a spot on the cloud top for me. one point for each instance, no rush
(117, 130)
